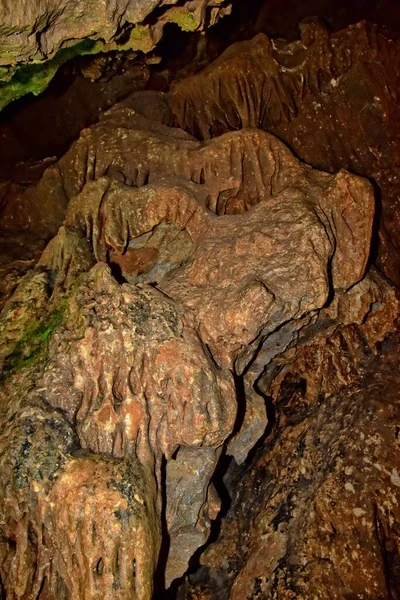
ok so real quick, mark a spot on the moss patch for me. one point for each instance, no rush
(34, 78)
(186, 21)
(33, 345)
(16, 81)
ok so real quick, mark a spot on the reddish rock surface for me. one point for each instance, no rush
(199, 296)
(333, 98)
(320, 498)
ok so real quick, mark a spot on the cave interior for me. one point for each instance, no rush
(199, 300)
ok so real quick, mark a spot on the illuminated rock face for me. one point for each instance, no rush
(37, 37)
(188, 282)
(333, 98)
(320, 499)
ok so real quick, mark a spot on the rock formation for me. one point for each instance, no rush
(333, 98)
(228, 261)
(320, 498)
(37, 37)
(180, 292)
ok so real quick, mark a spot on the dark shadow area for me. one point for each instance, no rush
(117, 272)
(376, 225)
(176, 48)
(34, 128)
(159, 575)
(281, 19)
(386, 535)
(241, 405)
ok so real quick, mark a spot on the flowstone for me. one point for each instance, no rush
(183, 272)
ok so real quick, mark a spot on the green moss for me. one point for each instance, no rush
(138, 33)
(35, 77)
(17, 80)
(139, 39)
(33, 345)
(6, 73)
(186, 21)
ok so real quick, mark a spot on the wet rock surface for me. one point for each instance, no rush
(320, 499)
(332, 97)
(37, 37)
(197, 358)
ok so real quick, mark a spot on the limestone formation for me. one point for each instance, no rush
(193, 319)
(37, 37)
(320, 497)
(333, 98)
(184, 271)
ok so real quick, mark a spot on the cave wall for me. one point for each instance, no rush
(199, 324)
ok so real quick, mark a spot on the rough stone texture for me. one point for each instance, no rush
(34, 31)
(320, 498)
(235, 171)
(189, 280)
(28, 143)
(37, 36)
(333, 98)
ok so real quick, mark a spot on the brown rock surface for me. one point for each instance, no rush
(35, 31)
(141, 402)
(333, 98)
(320, 499)
(189, 280)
